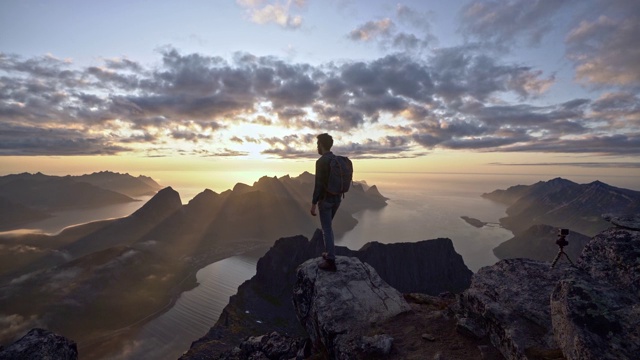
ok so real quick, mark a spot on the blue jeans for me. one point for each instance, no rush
(327, 209)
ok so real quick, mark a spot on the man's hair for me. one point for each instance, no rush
(325, 140)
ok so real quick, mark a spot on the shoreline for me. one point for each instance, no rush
(112, 343)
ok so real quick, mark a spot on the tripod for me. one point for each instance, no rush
(562, 242)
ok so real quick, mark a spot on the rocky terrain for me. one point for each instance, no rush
(590, 311)
(97, 283)
(515, 309)
(40, 344)
(263, 303)
(564, 204)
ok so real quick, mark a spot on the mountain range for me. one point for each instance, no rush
(565, 204)
(28, 197)
(97, 282)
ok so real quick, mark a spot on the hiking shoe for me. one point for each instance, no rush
(324, 255)
(328, 265)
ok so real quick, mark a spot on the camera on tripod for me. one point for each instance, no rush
(561, 242)
(562, 238)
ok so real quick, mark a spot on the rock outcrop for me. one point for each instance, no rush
(40, 344)
(590, 311)
(596, 311)
(336, 308)
(509, 303)
(263, 303)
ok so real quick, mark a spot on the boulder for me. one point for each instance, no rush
(263, 303)
(40, 344)
(336, 308)
(509, 302)
(596, 311)
(590, 311)
(613, 257)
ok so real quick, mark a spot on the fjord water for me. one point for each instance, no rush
(171, 334)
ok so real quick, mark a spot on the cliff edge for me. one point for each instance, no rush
(529, 310)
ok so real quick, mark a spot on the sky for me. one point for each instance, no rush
(502, 86)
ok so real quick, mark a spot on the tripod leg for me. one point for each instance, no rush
(556, 259)
(567, 256)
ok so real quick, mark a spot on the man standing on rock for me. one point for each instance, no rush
(326, 202)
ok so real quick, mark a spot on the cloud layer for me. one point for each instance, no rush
(447, 101)
(602, 41)
(399, 105)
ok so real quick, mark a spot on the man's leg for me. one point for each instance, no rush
(327, 211)
(334, 209)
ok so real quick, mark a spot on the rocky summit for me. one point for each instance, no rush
(589, 311)
(336, 308)
(595, 310)
(40, 344)
(263, 304)
(509, 303)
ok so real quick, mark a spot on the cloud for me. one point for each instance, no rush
(372, 29)
(222, 153)
(63, 278)
(386, 147)
(617, 144)
(504, 23)
(296, 146)
(601, 41)
(31, 140)
(409, 32)
(606, 165)
(452, 99)
(464, 70)
(15, 325)
(604, 45)
(278, 12)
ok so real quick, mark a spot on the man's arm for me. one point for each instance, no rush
(321, 179)
(319, 187)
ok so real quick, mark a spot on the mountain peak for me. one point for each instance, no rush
(203, 197)
(560, 181)
(598, 183)
(165, 202)
(241, 187)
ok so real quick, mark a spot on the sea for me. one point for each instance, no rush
(421, 206)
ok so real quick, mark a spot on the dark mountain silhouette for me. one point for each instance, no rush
(57, 193)
(116, 272)
(563, 203)
(55, 250)
(127, 230)
(28, 197)
(539, 243)
(122, 183)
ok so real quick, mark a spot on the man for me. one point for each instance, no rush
(326, 203)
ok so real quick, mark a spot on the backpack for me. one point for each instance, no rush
(340, 175)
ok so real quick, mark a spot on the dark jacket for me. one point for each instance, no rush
(322, 178)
